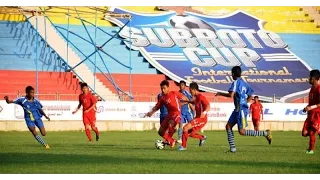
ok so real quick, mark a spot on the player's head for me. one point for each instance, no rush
(314, 76)
(84, 88)
(182, 85)
(30, 92)
(164, 85)
(194, 88)
(236, 72)
(256, 99)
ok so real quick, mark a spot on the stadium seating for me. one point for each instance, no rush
(291, 23)
(18, 67)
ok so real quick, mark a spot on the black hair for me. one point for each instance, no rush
(83, 85)
(164, 83)
(183, 82)
(256, 97)
(315, 74)
(194, 85)
(236, 71)
(28, 89)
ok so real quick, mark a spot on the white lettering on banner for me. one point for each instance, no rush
(135, 111)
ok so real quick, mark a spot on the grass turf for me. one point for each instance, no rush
(134, 152)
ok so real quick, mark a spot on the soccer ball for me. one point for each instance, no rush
(189, 22)
(159, 144)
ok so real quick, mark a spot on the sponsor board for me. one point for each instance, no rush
(203, 48)
(135, 111)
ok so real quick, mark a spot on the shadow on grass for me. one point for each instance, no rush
(18, 159)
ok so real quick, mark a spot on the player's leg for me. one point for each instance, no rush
(94, 127)
(312, 141)
(231, 122)
(86, 123)
(180, 129)
(242, 124)
(172, 123)
(40, 125)
(186, 130)
(255, 123)
(163, 131)
(197, 125)
(32, 128)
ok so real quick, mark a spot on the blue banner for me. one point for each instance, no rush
(203, 49)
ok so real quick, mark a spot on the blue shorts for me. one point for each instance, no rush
(162, 117)
(239, 118)
(37, 122)
(186, 117)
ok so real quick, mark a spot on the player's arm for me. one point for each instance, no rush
(78, 107)
(8, 100)
(249, 94)
(311, 107)
(44, 114)
(41, 110)
(205, 103)
(183, 99)
(231, 91)
(155, 108)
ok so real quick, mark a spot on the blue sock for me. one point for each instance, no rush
(255, 133)
(180, 133)
(40, 140)
(231, 140)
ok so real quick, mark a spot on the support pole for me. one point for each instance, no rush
(130, 63)
(95, 54)
(37, 35)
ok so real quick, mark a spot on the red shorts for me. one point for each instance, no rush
(89, 119)
(198, 123)
(176, 118)
(312, 123)
(256, 121)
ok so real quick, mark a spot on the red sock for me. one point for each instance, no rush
(88, 133)
(312, 140)
(171, 131)
(185, 138)
(95, 129)
(196, 135)
(167, 137)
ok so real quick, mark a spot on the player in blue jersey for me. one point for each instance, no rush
(186, 110)
(32, 114)
(241, 93)
(163, 110)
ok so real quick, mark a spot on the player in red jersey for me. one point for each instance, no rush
(88, 101)
(311, 124)
(256, 111)
(202, 107)
(171, 100)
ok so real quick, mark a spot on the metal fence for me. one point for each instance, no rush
(126, 98)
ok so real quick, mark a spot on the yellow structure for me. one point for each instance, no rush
(281, 19)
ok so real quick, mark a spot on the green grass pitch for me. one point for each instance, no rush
(134, 152)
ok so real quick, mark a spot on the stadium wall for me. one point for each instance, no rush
(126, 116)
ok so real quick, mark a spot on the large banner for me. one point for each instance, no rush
(202, 48)
(134, 111)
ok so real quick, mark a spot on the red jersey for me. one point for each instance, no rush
(171, 101)
(200, 104)
(314, 98)
(87, 100)
(256, 108)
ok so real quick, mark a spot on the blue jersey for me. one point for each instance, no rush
(185, 108)
(31, 109)
(241, 92)
(163, 109)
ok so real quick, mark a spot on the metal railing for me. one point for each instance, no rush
(138, 97)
